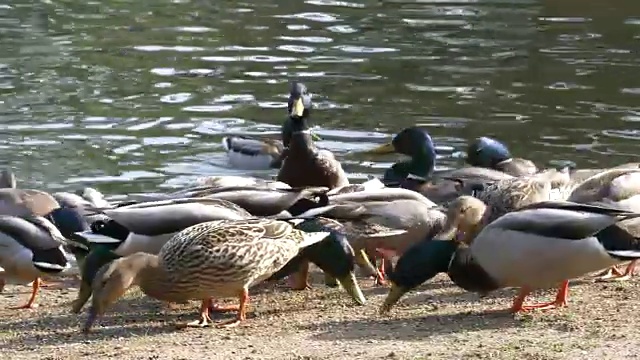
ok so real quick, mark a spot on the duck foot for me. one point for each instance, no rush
(560, 301)
(31, 303)
(242, 311)
(204, 320)
(610, 273)
(613, 274)
(300, 279)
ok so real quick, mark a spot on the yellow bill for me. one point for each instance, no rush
(298, 108)
(382, 149)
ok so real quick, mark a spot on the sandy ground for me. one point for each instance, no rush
(439, 321)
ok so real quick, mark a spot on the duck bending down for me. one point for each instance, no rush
(535, 247)
(619, 187)
(30, 248)
(213, 259)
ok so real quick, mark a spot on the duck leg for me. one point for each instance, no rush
(204, 320)
(31, 303)
(300, 279)
(560, 301)
(242, 311)
(613, 274)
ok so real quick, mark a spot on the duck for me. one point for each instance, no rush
(386, 228)
(343, 261)
(537, 246)
(147, 226)
(31, 247)
(490, 153)
(305, 165)
(250, 153)
(221, 181)
(253, 154)
(257, 201)
(222, 258)
(508, 195)
(418, 174)
(618, 187)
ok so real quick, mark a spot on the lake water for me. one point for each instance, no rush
(129, 95)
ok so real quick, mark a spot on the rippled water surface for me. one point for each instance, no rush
(128, 95)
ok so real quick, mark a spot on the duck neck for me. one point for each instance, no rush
(154, 280)
(301, 144)
(419, 166)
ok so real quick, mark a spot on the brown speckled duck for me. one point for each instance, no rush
(213, 259)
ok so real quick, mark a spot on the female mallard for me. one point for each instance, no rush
(343, 261)
(30, 248)
(417, 173)
(534, 247)
(619, 187)
(508, 195)
(305, 165)
(214, 259)
(491, 153)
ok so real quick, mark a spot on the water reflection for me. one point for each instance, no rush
(132, 95)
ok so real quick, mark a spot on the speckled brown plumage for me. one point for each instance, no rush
(213, 259)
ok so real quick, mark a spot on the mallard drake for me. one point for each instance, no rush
(619, 187)
(253, 154)
(233, 180)
(147, 226)
(257, 201)
(491, 153)
(305, 165)
(534, 247)
(214, 259)
(417, 173)
(30, 248)
(388, 228)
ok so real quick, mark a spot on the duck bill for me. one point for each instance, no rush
(297, 109)
(382, 149)
(395, 293)
(350, 285)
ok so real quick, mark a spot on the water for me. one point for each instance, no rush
(129, 95)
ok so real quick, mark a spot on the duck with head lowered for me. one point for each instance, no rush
(537, 246)
(219, 259)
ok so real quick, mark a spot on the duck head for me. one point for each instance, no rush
(333, 255)
(487, 152)
(464, 219)
(299, 109)
(416, 143)
(99, 256)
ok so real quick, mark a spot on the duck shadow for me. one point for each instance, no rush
(411, 329)
(129, 318)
